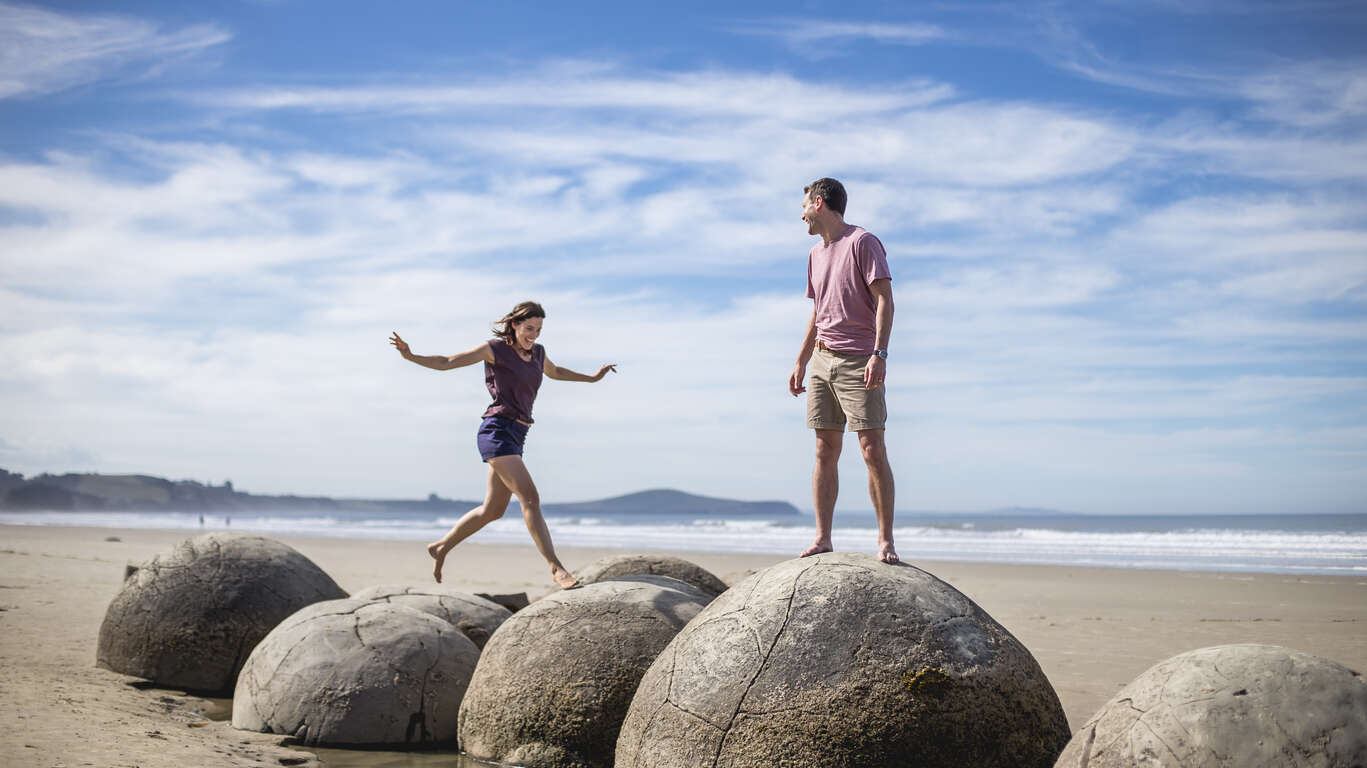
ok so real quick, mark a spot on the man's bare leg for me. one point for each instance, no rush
(496, 498)
(881, 490)
(825, 487)
(514, 474)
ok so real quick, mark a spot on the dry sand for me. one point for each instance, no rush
(1092, 630)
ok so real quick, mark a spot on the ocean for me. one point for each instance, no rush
(1301, 544)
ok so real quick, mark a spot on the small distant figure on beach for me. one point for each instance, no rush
(847, 345)
(227, 521)
(201, 519)
(513, 366)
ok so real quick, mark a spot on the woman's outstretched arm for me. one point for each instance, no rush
(554, 371)
(482, 353)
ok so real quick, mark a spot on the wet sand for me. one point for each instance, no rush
(1092, 630)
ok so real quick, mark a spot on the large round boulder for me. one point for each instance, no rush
(619, 566)
(1230, 706)
(474, 616)
(189, 618)
(555, 680)
(841, 660)
(357, 673)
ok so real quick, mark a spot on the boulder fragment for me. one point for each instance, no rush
(618, 566)
(474, 616)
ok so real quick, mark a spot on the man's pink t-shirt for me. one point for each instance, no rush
(838, 277)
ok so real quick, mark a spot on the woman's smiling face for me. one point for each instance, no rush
(527, 332)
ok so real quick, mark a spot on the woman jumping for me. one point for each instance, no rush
(513, 365)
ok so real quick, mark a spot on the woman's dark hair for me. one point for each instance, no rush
(503, 328)
(830, 190)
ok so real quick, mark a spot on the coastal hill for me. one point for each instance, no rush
(670, 502)
(144, 493)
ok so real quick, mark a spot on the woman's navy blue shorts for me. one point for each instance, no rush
(500, 436)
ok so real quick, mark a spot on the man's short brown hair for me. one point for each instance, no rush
(830, 190)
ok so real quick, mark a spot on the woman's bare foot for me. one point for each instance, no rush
(887, 554)
(439, 554)
(563, 577)
(817, 547)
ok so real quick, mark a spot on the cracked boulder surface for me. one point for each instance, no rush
(1230, 706)
(475, 617)
(188, 619)
(840, 660)
(619, 566)
(357, 673)
(555, 680)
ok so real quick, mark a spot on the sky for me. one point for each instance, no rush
(1128, 242)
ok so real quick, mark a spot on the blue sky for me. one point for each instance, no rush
(1128, 243)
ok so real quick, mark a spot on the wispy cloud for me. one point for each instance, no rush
(1275, 8)
(1311, 94)
(1319, 92)
(42, 51)
(587, 85)
(814, 37)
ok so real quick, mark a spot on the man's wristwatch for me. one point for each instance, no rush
(883, 353)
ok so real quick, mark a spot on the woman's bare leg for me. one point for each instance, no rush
(496, 498)
(515, 476)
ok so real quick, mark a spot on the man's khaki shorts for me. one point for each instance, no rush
(836, 394)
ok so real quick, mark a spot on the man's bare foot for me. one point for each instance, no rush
(816, 548)
(887, 554)
(564, 578)
(435, 550)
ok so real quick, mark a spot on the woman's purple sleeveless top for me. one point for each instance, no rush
(512, 381)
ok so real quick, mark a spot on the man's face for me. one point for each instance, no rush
(810, 206)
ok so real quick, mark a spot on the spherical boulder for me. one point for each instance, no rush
(618, 566)
(555, 680)
(189, 618)
(474, 616)
(357, 673)
(842, 660)
(1230, 706)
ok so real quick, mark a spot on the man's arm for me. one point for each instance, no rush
(804, 356)
(876, 370)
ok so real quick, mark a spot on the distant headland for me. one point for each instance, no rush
(122, 493)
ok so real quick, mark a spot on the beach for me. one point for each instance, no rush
(1091, 629)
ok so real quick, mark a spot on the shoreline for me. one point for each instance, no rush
(1092, 629)
(1290, 546)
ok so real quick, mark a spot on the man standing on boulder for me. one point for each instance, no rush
(847, 345)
